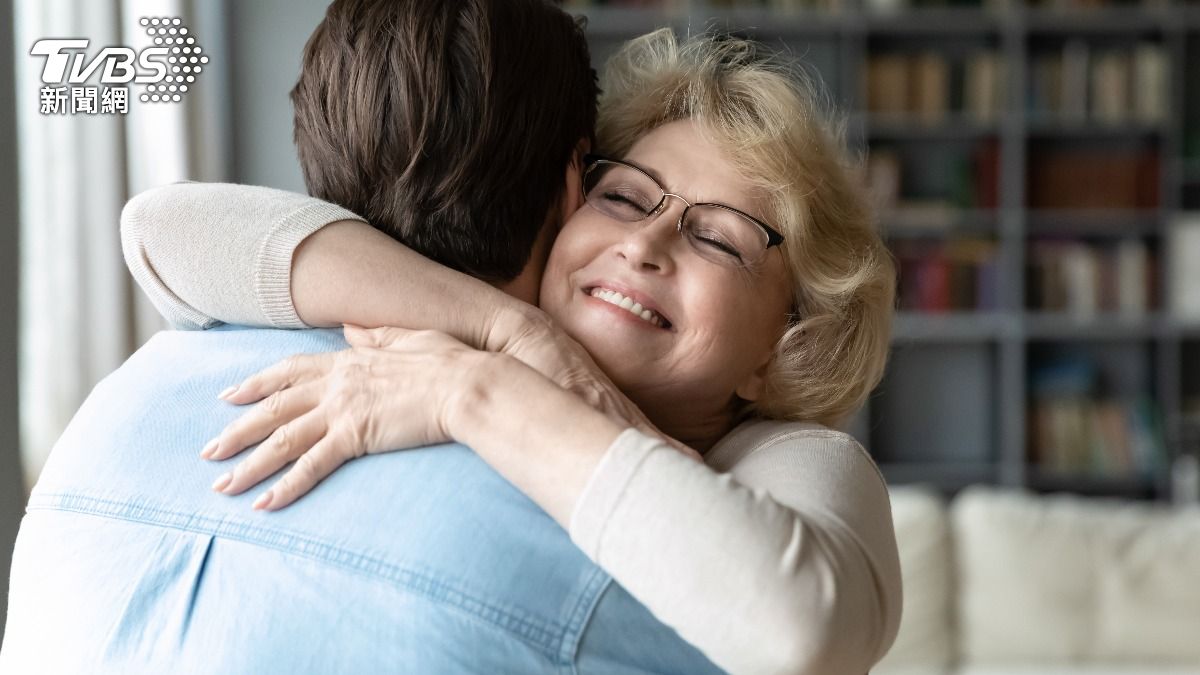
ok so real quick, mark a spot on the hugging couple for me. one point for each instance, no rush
(582, 414)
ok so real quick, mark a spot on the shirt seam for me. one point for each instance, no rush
(545, 635)
(777, 438)
(577, 624)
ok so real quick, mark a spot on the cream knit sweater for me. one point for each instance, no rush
(776, 556)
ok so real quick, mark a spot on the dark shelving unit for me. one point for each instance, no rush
(954, 406)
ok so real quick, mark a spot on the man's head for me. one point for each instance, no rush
(447, 124)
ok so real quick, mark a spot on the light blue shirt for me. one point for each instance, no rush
(421, 561)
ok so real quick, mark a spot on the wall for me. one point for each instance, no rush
(266, 41)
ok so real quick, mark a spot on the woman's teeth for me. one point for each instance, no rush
(615, 298)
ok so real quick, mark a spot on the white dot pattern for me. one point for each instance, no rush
(185, 61)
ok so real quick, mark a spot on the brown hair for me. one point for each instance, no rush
(447, 124)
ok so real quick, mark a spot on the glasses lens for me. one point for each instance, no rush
(724, 236)
(620, 191)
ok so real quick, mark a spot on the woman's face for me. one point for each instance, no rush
(715, 326)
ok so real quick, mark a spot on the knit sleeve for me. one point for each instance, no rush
(787, 563)
(211, 253)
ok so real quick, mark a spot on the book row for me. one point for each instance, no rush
(1103, 437)
(929, 87)
(1084, 279)
(955, 275)
(1104, 85)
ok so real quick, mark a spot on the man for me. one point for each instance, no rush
(424, 561)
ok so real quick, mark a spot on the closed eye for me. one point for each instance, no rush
(624, 202)
(717, 244)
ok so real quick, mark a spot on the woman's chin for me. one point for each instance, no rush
(623, 358)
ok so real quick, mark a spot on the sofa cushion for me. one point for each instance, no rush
(925, 642)
(1076, 670)
(1063, 579)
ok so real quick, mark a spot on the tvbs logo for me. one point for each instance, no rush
(166, 69)
(117, 62)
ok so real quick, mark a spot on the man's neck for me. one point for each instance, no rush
(525, 287)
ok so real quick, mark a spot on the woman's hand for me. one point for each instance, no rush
(322, 410)
(393, 389)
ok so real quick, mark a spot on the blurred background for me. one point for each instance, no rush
(1035, 166)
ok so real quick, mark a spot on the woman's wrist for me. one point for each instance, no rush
(511, 323)
(470, 397)
(551, 462)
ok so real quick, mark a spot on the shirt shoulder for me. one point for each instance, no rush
(756, 435)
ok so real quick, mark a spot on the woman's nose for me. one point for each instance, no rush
(652, 246)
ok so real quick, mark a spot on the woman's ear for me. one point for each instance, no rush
(752, 388)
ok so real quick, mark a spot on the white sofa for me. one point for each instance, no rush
(1002, 582)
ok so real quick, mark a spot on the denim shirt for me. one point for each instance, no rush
(420, 561)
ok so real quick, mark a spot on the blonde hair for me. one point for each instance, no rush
(772, 120)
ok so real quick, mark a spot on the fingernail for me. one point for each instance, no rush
(222, 482)
(228, 392)
(210, 448)
(263, 500)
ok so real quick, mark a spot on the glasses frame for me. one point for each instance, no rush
(591, 161)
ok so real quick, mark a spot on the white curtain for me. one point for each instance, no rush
(81, 314)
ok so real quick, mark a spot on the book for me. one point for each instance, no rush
(987, 174)
(1045, 87)
(984, 87)
(1074, 81)
(1150, 80)
(883, 179)
(930, 88)
(1183, 247)
(1132, 275)
(887, 85)
(1110, 88)
(1080, 274)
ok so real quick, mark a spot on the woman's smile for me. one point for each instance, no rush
(627, 303)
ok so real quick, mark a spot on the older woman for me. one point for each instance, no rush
(724, 275)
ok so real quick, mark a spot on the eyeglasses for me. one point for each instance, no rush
(718, 233)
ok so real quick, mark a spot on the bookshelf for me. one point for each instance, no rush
(1034, 166)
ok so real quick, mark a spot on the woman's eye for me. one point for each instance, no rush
(625, 202)
(717, 244)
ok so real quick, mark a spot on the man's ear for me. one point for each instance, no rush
(573, 192)
(583, 147)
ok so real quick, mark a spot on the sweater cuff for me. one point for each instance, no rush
(605, 488)
(273, 263)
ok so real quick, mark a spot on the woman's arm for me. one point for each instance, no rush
(786, 564)
(207, 253)
(221, 253)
